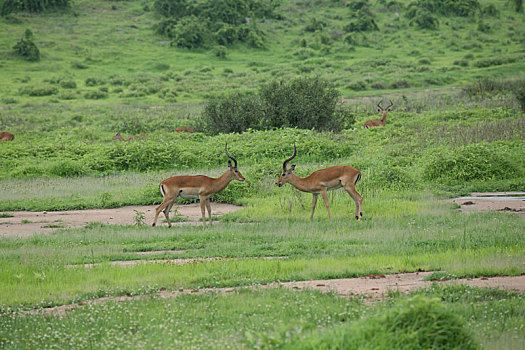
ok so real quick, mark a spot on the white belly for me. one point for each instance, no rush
(188, 194)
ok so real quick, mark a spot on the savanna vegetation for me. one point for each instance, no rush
(261, 75)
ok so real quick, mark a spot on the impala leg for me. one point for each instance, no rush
(208, 207)
(325, 198)
(203, 209)
(167, 212)
(358, 199)
(314, 203)
(165, 203)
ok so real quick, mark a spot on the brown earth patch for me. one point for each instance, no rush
(27, 223)
(370, 287)
(512, 202)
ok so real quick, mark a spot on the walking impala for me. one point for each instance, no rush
(379, 122)
(196, 186)
(321, 181)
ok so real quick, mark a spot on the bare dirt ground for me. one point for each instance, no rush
(27, 223)
(512, 202)
(373, 287)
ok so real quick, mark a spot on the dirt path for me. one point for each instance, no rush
(27, 223)
(374, 287)
(512, 202)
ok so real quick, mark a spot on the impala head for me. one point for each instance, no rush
(286, 174)
(234, 171)
(381, 109)
(117, 136)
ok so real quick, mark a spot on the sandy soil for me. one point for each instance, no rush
(512, 202)
(27, 223)
(373, 287)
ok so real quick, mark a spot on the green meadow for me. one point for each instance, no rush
(457, 126)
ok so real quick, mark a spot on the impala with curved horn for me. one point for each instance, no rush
(196, 186)
(323, 180)
(382, 121)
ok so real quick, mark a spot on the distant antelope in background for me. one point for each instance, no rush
(379, 122)
(185, 129)
(118, 136)
(6, 136)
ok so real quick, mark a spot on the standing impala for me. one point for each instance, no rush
(379, 122)
(196, 186)
(321, 181)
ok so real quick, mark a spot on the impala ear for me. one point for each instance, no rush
(292, 168)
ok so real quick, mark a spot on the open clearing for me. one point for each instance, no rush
(513, 202)
(27, 223)
(373, 287)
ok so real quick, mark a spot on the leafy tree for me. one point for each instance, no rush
(189, 32)
(10, 6)
(26, 48)
(363, 21)
(422, 18)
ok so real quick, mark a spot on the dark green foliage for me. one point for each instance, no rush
(95, 94)
(422, 18)
(314, 25)
(9, 6)
(357, 4)
(233, 113)
(305, 103)
(189, 32)
(416, 323)
(518, 5)
(26, 47)
(363, 21)
(445, 7)
(188, 22)
(490, 10)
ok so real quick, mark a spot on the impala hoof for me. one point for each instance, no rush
(153, 224)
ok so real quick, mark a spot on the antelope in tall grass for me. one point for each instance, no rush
(185, 129)
(323, 180)
(6, 136)
(196, 186)
(382, 121)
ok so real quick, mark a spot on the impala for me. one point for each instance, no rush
(185, 129)
(196, 186)
(379, 122)
(323, 180)
(6, 136)
(118, 136)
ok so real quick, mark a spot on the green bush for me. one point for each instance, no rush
(38, 90)
(66, 168)
(362, 22)
(26, 48)
(9, 6)
(416, 323)
(95, 94)
(482, 162)
(189, 32)
(519, 92)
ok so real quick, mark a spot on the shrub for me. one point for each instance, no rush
(314, 25)
(226, 35)
(362, 22)
(303, 103)
(520, 96)
(95, 94)
(26, 48)
(422, 18)
(38, 90)
(68, 84)
(66, 168)
(94, 81)
(416, 323)
(9, 6)
(480, 162)
(189, 32)
(490, 10)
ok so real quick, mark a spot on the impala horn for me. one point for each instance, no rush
(289, 159)
(229, 155)
(391, 104)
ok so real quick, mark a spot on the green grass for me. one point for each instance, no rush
(278, 318)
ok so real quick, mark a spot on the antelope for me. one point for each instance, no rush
(196, 186)
(6, 136)
(118, 136)
(379, 122)
(185, 129)
(323, 180)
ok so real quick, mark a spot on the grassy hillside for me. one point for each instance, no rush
(101, 52)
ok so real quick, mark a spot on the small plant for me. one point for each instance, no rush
(139, 219)
(6, 215)
(26, 47)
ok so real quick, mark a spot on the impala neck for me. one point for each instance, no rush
(299, 182)
(223, 180)
(383, 119)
